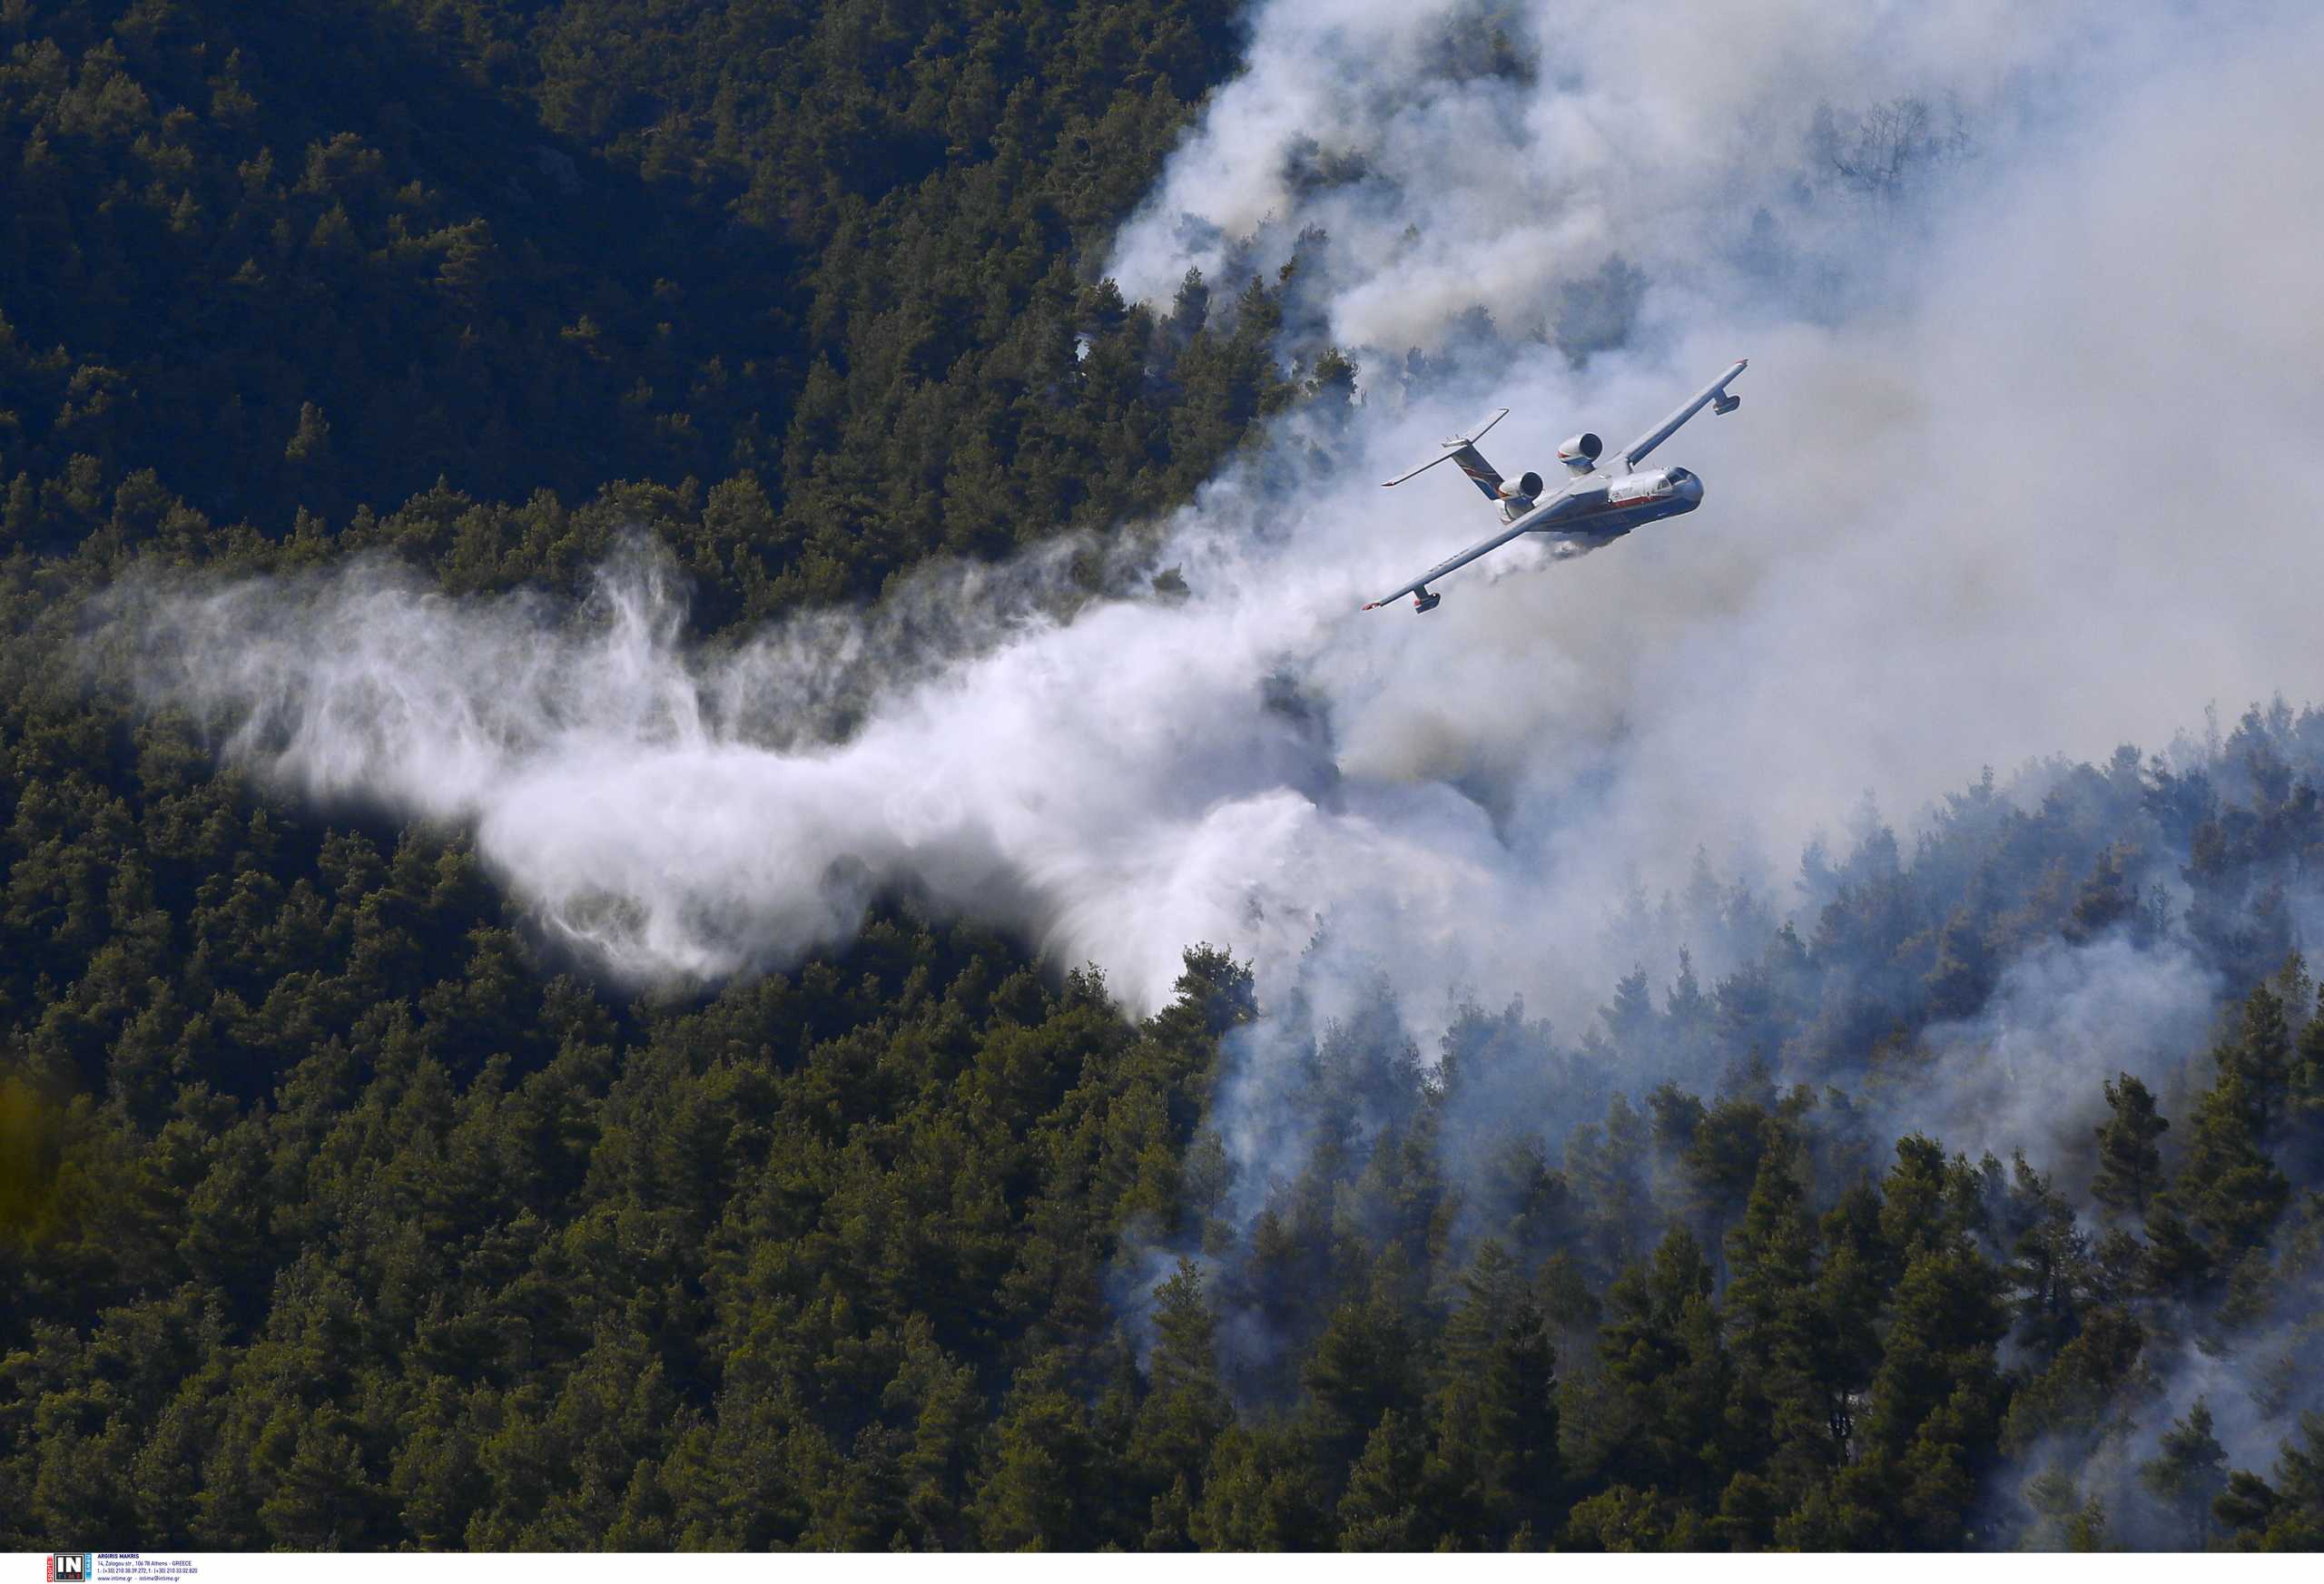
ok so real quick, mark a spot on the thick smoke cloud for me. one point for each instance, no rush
(1470, 154)
(2039, 491)
(2024, 1074)
(2018, 471)
(2029, 504)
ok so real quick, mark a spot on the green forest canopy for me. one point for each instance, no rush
(333, 1215)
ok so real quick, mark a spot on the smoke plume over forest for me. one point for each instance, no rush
(2006, 378)
(2019, 479)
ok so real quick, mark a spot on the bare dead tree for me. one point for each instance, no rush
(1880, 152)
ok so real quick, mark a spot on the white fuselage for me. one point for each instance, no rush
(1599, 508)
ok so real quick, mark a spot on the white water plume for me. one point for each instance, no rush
(1125, 782)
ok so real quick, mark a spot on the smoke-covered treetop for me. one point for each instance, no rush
(701, 847)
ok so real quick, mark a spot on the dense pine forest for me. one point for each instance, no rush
(337, 1211)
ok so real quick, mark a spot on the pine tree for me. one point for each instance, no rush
(2284, 1515)
(2229, 1189)
(1657, 1420)
(1852, 1289)
(2262, 1058)
(1689, 1011)
(2175, 1260)
(1258, 1495)
(2187, 1475)
(1928, 1202)
(1363, 1366)
(2306, 1087)
(1937, 1399)
(1381, 1510)
(1963, 976)
(1043, 1483)
(1786, 1371)
(2063, 1520)
(1630, 1018)
(1607, 1168)
(2049, 1261)
(310, 444)
(1185, 1405)
(2106, 899)
(2130, 1162)
(1495, 1411)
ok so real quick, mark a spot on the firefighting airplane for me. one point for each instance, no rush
(1592, 508)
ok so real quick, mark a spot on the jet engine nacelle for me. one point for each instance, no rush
(1581, 453)
(1527, 487)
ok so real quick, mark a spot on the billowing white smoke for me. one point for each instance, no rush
(2049, 494)
(2025, 1073)
(2021, 467)
(1467, 153)
(2035, 499)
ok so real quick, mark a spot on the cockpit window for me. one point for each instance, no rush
(1679, 476)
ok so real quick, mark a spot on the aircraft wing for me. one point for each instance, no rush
(1550, 510)
(1482, 548)
(1716, 391)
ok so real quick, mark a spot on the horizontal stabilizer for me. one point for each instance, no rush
(1454, 446)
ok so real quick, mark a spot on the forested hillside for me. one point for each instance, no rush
(336, 259)
(337, 1211)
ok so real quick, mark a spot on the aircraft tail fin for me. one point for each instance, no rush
(1463, 448)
